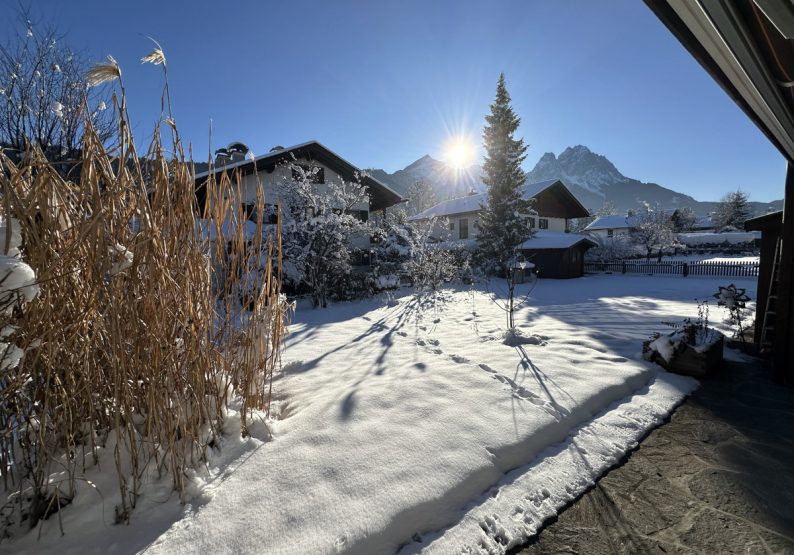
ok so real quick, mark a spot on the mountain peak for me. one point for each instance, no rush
(422, 162)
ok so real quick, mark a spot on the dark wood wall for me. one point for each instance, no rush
(558, 263)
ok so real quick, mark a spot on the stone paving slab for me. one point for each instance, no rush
(718, 478)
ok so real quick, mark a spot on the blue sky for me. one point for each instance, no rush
(383, 83)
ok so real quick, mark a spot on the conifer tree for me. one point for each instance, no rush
(732, 211)
(503, 224)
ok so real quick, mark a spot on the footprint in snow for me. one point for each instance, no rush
(487, 368)
(459, 359)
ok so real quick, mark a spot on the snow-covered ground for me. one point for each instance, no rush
(709, 258)
(410, 425)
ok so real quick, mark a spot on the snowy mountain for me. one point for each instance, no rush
(592, 178)
(445, 181)
(596, 180)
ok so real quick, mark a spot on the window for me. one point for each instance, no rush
(360, 258)
(452, 226)
(360, 215)
(464, 228)
(543, 223)
(314, 173)
(610, 232)
(531, 223)
(271, 214)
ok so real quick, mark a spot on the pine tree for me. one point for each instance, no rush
(503, 222)
(732, 211)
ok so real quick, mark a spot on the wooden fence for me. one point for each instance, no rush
(740, 268)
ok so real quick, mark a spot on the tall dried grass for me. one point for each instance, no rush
(136, 341)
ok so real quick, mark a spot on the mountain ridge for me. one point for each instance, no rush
(592, 177)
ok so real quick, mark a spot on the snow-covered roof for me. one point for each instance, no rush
(704, 222)
(615, 221)
(473, 203)
(618, 221)
(382, 196)
(544, 240)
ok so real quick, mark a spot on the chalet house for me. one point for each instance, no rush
(273, 168)
(611, 226)
(618, 224)
(555, 252)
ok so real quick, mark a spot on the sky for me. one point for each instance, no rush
(384, 83)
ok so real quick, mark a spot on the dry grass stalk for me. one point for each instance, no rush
(136, 340)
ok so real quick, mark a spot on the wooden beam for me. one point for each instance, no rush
(783, 355)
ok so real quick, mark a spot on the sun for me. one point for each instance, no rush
(460, 152)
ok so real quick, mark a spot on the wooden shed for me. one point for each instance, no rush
(557, 255)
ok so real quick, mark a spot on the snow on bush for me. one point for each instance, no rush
(696, 333)
(608, 249)
(409, 250)
(319, 225)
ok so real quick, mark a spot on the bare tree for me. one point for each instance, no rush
(421, 196)
(44, 98)
(653, 230)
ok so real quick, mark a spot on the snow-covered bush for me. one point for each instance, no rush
(696, 333)
(735, 300)
(609, 249)
(318, 226)
(653, 230)
(410, 251)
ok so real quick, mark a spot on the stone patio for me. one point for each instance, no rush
(718, 478)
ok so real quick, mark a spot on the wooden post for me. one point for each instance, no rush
(783, 355)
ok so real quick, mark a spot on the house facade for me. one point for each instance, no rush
(553, 203)
(274, 169)
(611, 226)
(554, 252)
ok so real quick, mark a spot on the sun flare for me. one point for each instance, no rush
(459, 152)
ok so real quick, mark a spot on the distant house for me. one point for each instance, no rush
(273, 168)
(619, 224)
(555, 252)
(554, 205)
(611, 226)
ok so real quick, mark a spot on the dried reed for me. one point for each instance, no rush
(137, 340)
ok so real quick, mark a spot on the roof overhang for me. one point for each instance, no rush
(569, 206)
(381, 195)
(767, 221)
(746, 46)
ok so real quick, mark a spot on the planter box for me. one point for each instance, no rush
(690, 362)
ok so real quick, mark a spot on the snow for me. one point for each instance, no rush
(473, 203)
(732, 237)
(614, 221)
(553, 240)
(410, 425)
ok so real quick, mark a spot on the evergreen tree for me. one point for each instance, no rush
(732, 211)
(503, 224)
